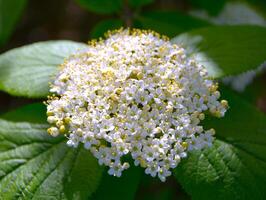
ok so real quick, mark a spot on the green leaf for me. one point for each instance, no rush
(139, 3)
(34, 165)
(102, 27)
(102, 6)
(235, 167)
(124, 187)
(212, 7)
(169, 23)
(10, 11)
(226, 50)
(84, 178)
(34, 113)
(26, 71)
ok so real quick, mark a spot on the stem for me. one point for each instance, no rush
(127, 14)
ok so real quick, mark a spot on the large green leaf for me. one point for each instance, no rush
(102, 6)
(26, 71)
(169, 23)
(34, 165)
(10, 11)
(235, 167)
(226, 50)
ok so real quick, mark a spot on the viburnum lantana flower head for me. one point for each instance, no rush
(136, 94)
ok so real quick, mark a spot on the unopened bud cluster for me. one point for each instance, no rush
(134, 94)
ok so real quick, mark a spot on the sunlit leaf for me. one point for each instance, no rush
(226, 50)
(34, 165)
(26, 71)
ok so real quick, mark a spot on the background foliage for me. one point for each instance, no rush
(35, 166)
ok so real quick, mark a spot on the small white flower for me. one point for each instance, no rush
(152, 169)
(116, 168)
(163, 173)
(53, 131)
(195, 143)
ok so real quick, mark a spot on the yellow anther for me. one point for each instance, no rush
(140, 75)
(213, 88)
(212, 131)
(67, 120)
(184, 145)
(114, 97)
(62, 129)
(49, 113)
(134, 74)
(142, 163)
(217, 114)
(224, 103)
(201, 116)
(118, 91)
(59, 123)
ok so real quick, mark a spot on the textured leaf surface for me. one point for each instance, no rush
(10, 11)
(26, 71)
(102, 6)
(34, 165)
(235, 167)
(226, 50)
(169, 23)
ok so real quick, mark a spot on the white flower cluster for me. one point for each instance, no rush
(134, 94)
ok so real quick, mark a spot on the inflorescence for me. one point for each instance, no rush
(134, 94)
